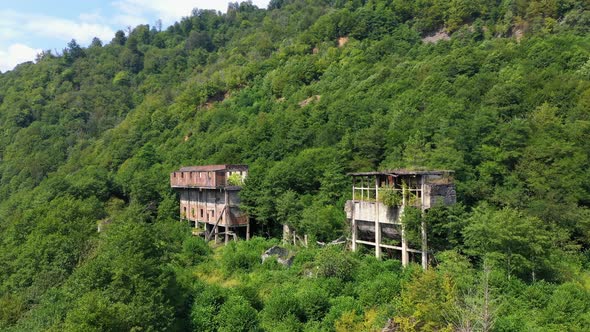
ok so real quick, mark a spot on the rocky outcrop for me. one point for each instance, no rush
(282, 255)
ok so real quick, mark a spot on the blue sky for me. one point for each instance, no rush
(29, 26)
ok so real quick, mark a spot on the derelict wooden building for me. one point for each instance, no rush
(209, 198)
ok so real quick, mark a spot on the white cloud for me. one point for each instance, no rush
(126, 20)
(261, 3)
(9, 24)
(169, 11)
(15, 54)
(173, 10)
(14, 24)
(16, 27)
(91, 17)
(67, 30)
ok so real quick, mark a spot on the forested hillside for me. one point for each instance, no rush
(303, 92)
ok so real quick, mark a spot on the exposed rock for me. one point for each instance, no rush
(438, 36)
(342, 41)
(309, 100)
(103, 224)
(282, 255)
(390, 326)
(518, 34)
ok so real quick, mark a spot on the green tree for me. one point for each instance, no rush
(519, 244)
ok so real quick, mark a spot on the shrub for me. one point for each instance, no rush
(206, 306)
(340, 306)
(282, 307)
(313, 300)
(390, 197)
(235, 180)
(236, 315)
(381, 289)
(243, 256)
(194, 250)
(335, 262)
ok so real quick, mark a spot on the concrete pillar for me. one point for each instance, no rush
(377, 239)
(377, 222)
(423, 227)
(286, 233)
(248, 230)
(424, 247)
(352, 220)
(405, 256)
(354, 228)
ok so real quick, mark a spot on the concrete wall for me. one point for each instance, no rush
(370, 211)
(439, 194)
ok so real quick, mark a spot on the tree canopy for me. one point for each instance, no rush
(303, 92)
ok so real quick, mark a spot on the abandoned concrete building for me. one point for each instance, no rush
(209, 199)
(377, 206)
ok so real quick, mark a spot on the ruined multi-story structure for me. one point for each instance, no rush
(209, 199)
(378, 202)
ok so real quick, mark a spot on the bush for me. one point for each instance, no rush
(313, 300)
(370, 267)
(236, 315)
(390, 197)
(206, 306)
(194, 250)
(336, 262)
(243, 256)
(339, 306)
(379, 290)
(282, 307)
(235, 180)
(250, 293)
(412, 219)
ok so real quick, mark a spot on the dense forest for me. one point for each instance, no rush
(303, 92)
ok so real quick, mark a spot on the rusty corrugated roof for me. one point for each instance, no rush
(397, 172)
(214, 168)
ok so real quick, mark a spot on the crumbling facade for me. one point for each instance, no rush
(378, 202)
(209, 199)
